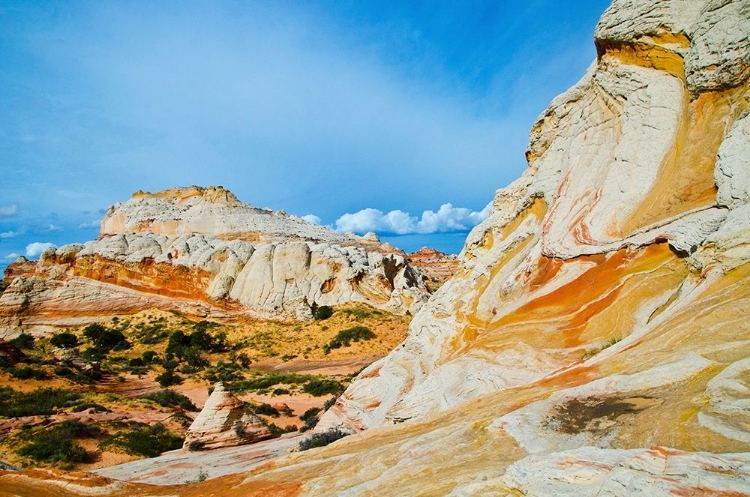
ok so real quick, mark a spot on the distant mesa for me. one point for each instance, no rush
(202, 252)
(212, 211)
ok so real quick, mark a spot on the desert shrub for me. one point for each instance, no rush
(170, 398)
(344, 337)
(105, 342)
(109, 339)
(204, 325)
(23, 341)
(310, 417)
(322, 439)
(280, 391)
(329, 403)
(87, 376)
(56, 443)
(153, 333)
(323, 312)
(269, 380)
(200, 339)
(168, 378)
(267, 410)
(64, 372)
(359, 313)
(136, 362)
(278, 430)
(94, 331)
(149, 356)
(195, 446)
(143, 440)
(65, 340)
(84, 406)
(318, 388)
(194, 358)
(226, 372)
(42, 401)
(27, 373)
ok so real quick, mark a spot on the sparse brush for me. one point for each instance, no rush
(322, 439)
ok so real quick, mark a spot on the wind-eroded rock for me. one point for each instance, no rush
(290, 266)
(595, 337)
(225, 421)
(614, 271)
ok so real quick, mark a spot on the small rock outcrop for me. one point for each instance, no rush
(225, 421)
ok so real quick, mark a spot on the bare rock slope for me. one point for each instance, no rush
(202, 252)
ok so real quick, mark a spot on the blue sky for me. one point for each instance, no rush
(321, 108)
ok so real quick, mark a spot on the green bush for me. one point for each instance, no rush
(355, 334)
(318, 388)
(23, 341)
(310, 417)
(143, 440)
(168, 378)
(39, 402)
(27, 373)
(109, 340)
(170, 398)
(323, 312)
(65, 340)
(89, 405)
(93, 331)
(195, 445)
(322, 439)
(56, 443)
(267, 410)
(104, 341)
(225, 372)
(269, 380)
(153, 333)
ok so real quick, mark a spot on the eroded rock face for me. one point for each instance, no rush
(225, 421)
(189, 250)
(635, 203)
(615, 270)
(595, 338)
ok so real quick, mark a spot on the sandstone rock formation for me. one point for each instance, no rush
(615, 270)
(434, 265)
(595, 339)
(202, 252)
(225, 421)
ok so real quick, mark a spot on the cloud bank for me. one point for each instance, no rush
(446, 219)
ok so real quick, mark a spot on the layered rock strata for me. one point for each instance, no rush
(225, 421)
(151, 254)
(633, 212)
(595, 338)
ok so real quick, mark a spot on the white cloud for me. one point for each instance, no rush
(312, 219)
(35, 249)
(446, 219)
(52, 227)
(12, 256)
(9, 234)
(92, 224)
(8, 210)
